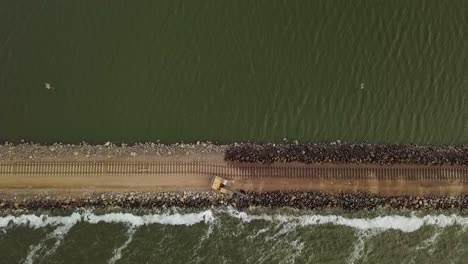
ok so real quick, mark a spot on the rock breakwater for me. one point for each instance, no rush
(108, 150)
(338, 152)
(294, 199)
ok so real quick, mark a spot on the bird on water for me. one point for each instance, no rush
(48, 86)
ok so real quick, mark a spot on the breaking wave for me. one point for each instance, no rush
(396, 222)
(280, 231)
(382, 223)
(58, 234)
(40, 221)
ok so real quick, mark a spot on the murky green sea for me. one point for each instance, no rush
(129, 71)
(224, 235)
(375, 70)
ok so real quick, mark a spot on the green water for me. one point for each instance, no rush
(129, 71)
(234, 70)
(227, 236)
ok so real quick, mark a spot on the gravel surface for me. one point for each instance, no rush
(335, 152)
(34, 152)
(338, 152)
(293, 199)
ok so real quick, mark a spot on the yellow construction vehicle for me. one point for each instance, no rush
(223, 186)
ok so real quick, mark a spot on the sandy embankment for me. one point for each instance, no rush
(69, 190)
(202, 152)
(76, 184)
(283, 177)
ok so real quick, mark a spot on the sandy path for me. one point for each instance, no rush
(190, 182)
(387, 188)
(194, 173)
(101, 183)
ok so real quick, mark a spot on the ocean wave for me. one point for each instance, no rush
(35, 221)
(58, 234)
(381, 223)
(40, 221)
(165, 219)
(118, 252)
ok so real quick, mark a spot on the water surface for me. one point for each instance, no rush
(224, 235)
(377, 71)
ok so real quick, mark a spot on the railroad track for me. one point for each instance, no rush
(241, 171)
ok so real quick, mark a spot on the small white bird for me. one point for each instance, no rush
(48, 86)
(362, 86)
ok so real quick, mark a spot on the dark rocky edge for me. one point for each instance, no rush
(294, 199)
(338, 152)
(34, 151)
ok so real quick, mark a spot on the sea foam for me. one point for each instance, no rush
(381, 223)
(39, 221)
(166, 219)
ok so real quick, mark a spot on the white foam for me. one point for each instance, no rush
(118, 252)
(204, 237)
(65, 223)
(395, 222)
(261, 231)
(297, 246)
(362, 237)
(4, 221)
(382, 223)
(40, 221)
(58, 234)
(365, 227)
(166, 219)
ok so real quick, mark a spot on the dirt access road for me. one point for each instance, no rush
(186, 173)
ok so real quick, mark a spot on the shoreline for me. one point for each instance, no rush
(194, 199)
(346, 153)
(308, 153)
(122, 152)
(333, 152)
